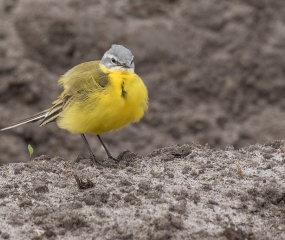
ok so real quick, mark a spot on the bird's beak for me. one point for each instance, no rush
(127, 65)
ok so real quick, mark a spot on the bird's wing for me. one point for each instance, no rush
(56, 109)
(78, 82)
(85, 76)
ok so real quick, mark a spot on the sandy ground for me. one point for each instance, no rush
(215, 74)
(180, 192)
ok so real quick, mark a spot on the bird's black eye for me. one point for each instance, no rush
(113, 60)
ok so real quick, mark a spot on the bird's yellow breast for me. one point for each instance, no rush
(123, 100)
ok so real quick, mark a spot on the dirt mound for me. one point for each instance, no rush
(180, 192)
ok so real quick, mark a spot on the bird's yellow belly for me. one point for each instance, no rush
(109, 109)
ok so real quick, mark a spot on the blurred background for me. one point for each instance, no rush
(214, 69)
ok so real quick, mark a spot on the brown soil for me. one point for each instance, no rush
(180, 192)
(215, 74)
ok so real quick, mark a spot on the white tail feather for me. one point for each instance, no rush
(31, 119)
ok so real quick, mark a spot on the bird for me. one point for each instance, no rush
(97, 97)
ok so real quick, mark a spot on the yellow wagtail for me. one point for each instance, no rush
(97, 97)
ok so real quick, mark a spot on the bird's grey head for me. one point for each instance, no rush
(118, 58)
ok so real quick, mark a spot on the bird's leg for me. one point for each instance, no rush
(93, 157)
(106, 149)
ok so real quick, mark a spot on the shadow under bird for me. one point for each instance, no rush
(97, 97)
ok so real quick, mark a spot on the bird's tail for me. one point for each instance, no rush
(38, 116)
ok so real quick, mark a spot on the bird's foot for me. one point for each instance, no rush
(116, 160)
(96, 161)
(126, 156)
(110, 162)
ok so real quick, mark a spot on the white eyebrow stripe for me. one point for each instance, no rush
(111, 56)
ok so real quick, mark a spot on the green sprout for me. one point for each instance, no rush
(31, 151)
(207, 178)
(280, 228)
